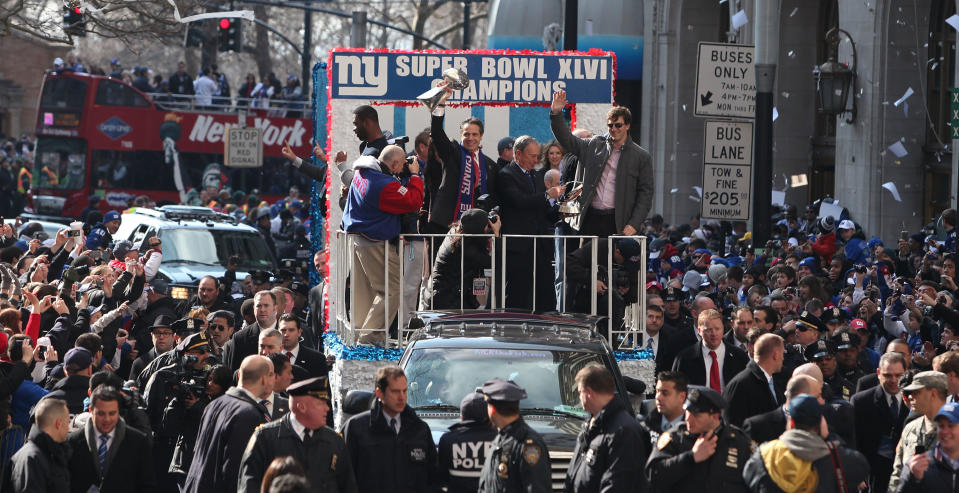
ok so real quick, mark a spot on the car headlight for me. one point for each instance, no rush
(179, 293)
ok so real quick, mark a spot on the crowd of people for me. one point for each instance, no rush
(209, 89)
(822, 360)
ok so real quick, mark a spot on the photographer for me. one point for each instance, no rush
(451, 287)
(622, 280)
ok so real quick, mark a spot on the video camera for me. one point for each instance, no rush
(485, 202)
(190, 382)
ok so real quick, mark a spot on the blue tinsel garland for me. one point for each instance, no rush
(333, 343)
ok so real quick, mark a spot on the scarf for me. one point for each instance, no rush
(467, 183)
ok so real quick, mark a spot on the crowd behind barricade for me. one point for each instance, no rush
(820, 361)
(207, 90)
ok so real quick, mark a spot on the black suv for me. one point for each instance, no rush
(455, 352)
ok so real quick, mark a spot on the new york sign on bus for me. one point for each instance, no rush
(497, 77)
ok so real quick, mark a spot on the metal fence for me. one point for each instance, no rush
(407, 281)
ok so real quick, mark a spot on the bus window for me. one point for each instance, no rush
(63, 93)
(59, 163)
(137, 170)
(112, 93)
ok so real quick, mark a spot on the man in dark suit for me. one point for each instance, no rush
(526, 210)
(660, 342)
(754, 390)
(164, 339)
(725, 362)
(668, 408)
(742, 321)
(467, 173)
(895, 346)
(226, 427)
(879, 416)
(108, 454)
(244, 342)
(317, 314)
(768, 426)
(309, 359)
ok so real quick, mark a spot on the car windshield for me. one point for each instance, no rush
(214, 247)
(443, 376)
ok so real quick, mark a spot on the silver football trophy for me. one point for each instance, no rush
(456, 80)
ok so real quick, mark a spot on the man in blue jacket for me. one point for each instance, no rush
(376, 201)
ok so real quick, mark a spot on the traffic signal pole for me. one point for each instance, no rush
(766, 35)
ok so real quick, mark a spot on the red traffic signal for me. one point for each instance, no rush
(225, 23)
(77, 10)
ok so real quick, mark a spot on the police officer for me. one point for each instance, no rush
(303, 435)
(519, 460)
(847, 355)
(463, 449)
(611, 444)
(703, 453)
(823, 353)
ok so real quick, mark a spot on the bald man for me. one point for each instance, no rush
(840, 414)
(768, 426)
(754, 391)
(226, 427)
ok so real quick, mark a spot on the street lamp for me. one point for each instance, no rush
(836, 81)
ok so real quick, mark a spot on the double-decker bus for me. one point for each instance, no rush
(101, 136)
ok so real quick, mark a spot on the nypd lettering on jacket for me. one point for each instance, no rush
(469, 457)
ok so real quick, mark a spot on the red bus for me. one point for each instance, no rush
(101, 136)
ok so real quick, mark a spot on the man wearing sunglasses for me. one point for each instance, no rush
(617, 173)
(220, 329)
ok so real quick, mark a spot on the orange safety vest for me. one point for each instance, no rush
(20, 186)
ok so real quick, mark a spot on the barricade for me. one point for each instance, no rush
(418, 252)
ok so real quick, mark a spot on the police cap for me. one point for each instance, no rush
(845, 340)
(835, 315)
(498, 389)
(673, 294)
(196, 342)
(261, 276)
(187, 326)
(701, 399)
(819, 350)
(809, 321)
(473, 408)
(318, 387)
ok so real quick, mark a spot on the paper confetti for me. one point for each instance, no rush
(740, 19)
(898, 149)
(775, 113)
(893, 190)
(796, 9)
(699, 190)
(905, 96)
(800, 180)
(674, 190)
(779, 197)
(953, 21)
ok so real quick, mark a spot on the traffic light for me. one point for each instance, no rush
(229, 34)
(73, 23)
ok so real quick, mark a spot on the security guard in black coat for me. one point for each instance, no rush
(702, 453)
(519, 461)
(463, 449)
(612, 443)
(847, 345)
(823, 353)
(303, 435)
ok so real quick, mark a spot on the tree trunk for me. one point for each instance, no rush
(261, 53)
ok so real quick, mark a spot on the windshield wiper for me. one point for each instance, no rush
(191, 262)
(437, 407)
(545, 411)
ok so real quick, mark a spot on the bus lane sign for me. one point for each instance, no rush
(727, 167)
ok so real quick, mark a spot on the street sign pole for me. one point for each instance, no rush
(954, 198)
(766, 30)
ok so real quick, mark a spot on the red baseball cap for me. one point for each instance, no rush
(654, 284)
(858, 324)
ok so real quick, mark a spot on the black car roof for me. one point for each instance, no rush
(502, 328)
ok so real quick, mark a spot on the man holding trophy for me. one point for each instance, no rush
(467, 173)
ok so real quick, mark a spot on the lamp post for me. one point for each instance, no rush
(836, 81)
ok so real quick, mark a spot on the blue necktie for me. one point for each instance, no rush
(102, 452)
(532, 182)
(772, 389)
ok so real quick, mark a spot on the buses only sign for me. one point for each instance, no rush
(725, 81)
(727, 166)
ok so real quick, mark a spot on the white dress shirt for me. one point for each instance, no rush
(720, 356)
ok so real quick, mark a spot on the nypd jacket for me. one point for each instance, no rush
(608, 453)
(462, 453)
(377, 200)
(386, 462)
(671, 467)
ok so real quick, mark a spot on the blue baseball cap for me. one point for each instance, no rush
(111, 216)
(949, 411)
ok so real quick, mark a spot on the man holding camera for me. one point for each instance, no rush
(373, 215)
(622, 281)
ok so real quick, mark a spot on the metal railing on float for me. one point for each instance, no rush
(409, 282)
